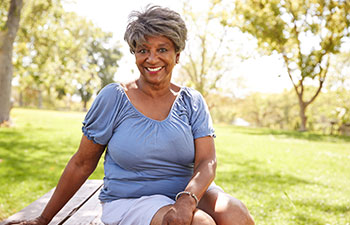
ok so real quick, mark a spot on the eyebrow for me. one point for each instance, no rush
(144, 45)
(164, 45)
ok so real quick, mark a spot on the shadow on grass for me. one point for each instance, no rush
(24, 159)
(293, 134)
(302, 218)
(324, 206)
(255, 174)
(269, 193)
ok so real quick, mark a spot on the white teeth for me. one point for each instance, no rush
(154, 69)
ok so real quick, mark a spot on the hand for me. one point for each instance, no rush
(37, 221)
(181, 213)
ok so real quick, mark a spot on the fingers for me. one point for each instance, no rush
(14, 222)
(21, 222)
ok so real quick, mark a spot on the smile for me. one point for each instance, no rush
(154, 69)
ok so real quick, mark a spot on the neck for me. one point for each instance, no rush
(153, 90)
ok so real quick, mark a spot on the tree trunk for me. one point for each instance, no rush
(7, 37)
(303, 117)
(84, 105)
(20, 100)
(40, 99)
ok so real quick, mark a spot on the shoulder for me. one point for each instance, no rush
(191, 94)
(109, 95)
(110, 91)
(111, 88)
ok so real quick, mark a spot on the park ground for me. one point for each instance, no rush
(284, 177)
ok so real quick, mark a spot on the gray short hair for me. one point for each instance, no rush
(156, 21)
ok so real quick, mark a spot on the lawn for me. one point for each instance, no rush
(283, 177)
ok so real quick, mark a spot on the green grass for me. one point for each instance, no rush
(283, 177)
(286, 177)
(33, 154)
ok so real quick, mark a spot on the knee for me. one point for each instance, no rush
(202, 218)
(233, 212)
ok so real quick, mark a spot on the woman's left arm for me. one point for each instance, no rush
(204, 173)
(204, 168)
(205, 158)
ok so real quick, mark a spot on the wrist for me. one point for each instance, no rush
(189, 196)
(43, 220)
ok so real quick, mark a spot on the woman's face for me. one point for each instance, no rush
(156, 59)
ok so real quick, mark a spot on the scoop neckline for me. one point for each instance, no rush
(149, 118)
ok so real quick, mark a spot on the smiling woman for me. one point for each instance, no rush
(160, 161)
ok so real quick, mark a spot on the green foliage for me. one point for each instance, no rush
(221, 109)
(304, 33)
(202, 67)
(331, 112)
(105, 58)
(277, 111)
(59, 54)
(4, 6)
(283, 177)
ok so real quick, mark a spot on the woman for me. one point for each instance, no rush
(160, 159)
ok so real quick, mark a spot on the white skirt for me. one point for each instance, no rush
(133, 211)
(136, 211)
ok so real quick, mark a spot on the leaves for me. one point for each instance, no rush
(207, 55)
(60, 54)
(304, 33)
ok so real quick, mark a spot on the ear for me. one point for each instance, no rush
(177, 57)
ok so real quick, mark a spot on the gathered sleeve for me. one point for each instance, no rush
(100, 120)
(200, 118)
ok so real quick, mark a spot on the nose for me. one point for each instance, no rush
(152, 57)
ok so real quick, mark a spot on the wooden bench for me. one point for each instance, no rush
(84, 208)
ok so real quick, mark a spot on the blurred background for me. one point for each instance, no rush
(276, 64)
(275, 75)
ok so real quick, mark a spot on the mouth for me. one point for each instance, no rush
(154, 69)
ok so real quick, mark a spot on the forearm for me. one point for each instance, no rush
(202, 177)
(204, 174)
(73, 176)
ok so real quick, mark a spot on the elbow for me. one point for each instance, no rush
(212, 167)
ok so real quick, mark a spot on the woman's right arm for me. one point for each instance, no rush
(78, 169)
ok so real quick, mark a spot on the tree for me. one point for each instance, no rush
(203, 63)
(268, 110)
(100, 62)
(8, 33)
(339, 85)
(105, 56)
(305, 33)
(59, 54)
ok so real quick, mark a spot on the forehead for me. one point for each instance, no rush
(156, 41)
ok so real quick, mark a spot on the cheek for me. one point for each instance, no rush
(171, 61)
(138, 62)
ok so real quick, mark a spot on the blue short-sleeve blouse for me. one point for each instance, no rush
(146, 156)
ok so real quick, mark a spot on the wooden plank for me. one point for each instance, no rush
(31, 211)
(35, 209)
(89, 213)
(80, 197)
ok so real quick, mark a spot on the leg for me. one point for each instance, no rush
(225, 209)
(199, 218)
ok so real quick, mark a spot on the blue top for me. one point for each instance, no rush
(146, 156)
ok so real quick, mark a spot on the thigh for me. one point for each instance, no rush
(199, 217)
(224, 208)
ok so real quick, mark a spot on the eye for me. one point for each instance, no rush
(161, 50)
(142, 51)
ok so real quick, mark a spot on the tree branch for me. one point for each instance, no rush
(286, 61)
(322, 78)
